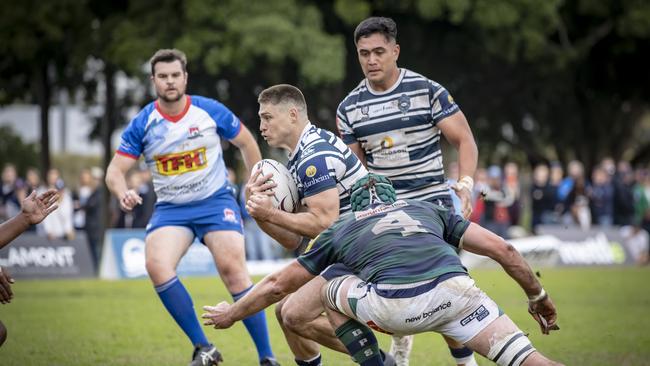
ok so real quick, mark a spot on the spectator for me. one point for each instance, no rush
(94, 225)
(576, 202)
(9, 200)
(642, 199)
(79, 198)
(495, 217)
(555, 180)
(601, 198)
(543, 197)
(513, 190)
(142, 213)
(624, 195)
(58, 225)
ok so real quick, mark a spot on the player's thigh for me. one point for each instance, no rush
(305, 304)
(340, 293)
(227, 248)
(164, 248)
(500, 338)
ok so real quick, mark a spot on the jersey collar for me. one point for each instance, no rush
(389, 90)
(177, 117)
(305, 130)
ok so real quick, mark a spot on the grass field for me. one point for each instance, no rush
(603, 313)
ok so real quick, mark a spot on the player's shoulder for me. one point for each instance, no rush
(420, 80)
(141, 119)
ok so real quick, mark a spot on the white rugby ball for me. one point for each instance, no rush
(285, 194)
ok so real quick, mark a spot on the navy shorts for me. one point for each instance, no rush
(219, 212)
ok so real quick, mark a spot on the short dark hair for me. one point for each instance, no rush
(168, 55)
(372, 25)
(283, 93)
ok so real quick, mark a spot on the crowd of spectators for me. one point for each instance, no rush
(614, 195)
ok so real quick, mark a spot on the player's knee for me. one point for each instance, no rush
(159, 271)
(511, 349)
(292, 318)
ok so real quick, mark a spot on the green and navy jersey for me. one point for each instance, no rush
(322, 161)
(405, 242)
(397, 130)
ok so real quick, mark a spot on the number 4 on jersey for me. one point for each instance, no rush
(398, 220)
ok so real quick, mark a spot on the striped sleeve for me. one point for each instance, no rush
(442, 103)
(344, 127)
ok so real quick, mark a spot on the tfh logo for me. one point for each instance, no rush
(183, 162)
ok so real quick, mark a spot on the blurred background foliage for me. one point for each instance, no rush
(549, 80)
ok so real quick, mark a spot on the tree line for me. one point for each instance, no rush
(549, 80)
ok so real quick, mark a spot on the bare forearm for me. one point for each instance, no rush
(303, 223)
(9, 230)
(467, 158)
(286, 238)
(260, 297)
(517, 268)
(115, 181)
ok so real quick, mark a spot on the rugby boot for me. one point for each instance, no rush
(269, 361)
(206, 356)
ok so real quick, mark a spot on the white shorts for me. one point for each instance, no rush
(451, 305)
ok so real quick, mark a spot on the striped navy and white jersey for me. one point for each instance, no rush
(322, 161)
(398, 131)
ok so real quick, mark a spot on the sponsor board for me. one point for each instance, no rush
(123, 257)
(566, 246)
(35, 256)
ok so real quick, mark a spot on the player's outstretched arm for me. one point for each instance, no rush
(481, 241)
(34, 210)
(270, 290)
(246, 143)
(456, 130)
(116, 182)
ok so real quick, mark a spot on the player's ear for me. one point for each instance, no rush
(396, 51)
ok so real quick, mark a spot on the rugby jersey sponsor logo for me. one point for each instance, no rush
(182, 162)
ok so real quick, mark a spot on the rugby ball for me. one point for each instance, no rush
(285, 194)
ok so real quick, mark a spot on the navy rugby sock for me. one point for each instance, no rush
(180, 306)
(256, 326)
(462, 355)
(316, 361)
(360, 342)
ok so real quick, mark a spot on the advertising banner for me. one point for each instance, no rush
(123, 257)
(558, 245)
(34, 256)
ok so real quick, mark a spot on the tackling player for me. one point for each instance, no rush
(393, 121)
(410, 280)
(179, 136)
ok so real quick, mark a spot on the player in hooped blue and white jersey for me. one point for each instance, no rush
(393, 121)
(179, 136)
(324, 169)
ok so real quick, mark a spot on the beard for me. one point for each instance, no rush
(163, 96)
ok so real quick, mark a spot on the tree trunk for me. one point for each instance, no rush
(107, 127)
(43, 95)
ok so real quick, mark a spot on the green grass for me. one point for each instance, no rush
(603, 313)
